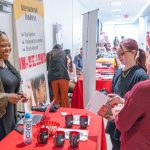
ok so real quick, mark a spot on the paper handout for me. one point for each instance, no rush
(97, 101)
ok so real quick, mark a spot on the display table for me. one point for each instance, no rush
(96, 138)
(77, 97)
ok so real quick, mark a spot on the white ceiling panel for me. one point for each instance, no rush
(127, 12)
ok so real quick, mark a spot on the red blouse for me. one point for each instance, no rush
(134, 119)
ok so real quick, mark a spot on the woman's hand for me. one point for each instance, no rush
(13, 98)
(23, 97)
(117, 109)
(115, 99)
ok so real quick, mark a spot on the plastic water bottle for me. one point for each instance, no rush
(27, 134)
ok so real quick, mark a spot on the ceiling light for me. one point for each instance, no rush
(116, 3)
(116, 16)
(116, 10)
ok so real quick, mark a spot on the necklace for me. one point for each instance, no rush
(125, 73)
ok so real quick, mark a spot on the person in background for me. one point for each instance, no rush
(125, 78)
(9, 88)
(122, 38)
(108, 47)
(67, 51)
(72, 73)
(116, 42)
(78, 61)
(58, 76)
(148, 62)
(133, 120)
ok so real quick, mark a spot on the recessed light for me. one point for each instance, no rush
(116, 16)
(116, 10)
(116, 3)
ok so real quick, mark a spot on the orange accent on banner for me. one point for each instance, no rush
(32, 61)
(22, 7)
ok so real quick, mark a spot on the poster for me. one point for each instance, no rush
(29, 26)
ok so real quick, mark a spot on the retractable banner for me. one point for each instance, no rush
(30, 45)
(89, 54)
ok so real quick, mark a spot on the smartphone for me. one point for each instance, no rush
(23, 97)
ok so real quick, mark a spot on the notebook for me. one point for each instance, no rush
(37, 117)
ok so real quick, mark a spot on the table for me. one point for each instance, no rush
(77, 97)
(96, 138)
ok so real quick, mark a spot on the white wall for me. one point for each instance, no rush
(6, 25)
(142, 32)
(109, 31)
(148, 26)
(58, 11)
(127, 30)
(78, 10)
(68, 13)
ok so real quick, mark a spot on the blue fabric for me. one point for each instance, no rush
(78, 61)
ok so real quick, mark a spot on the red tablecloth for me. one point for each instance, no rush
(77, 97)
(96, 137)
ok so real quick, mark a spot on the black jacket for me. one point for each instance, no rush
(57, 66)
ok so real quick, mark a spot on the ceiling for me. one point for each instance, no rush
(127, 12)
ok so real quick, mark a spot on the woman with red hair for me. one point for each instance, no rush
(124, 79)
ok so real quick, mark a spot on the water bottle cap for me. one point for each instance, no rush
(27, 115)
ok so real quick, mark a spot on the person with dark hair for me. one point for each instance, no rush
(141, 59)
(116, 41)
(9, 88)
(124, 79)
(122, 38)
(108, 47)
(58, 77)
(72, 73)
(78, 61)
(67, 51)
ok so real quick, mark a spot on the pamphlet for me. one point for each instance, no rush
(97, 101)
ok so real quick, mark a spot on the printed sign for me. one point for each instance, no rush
(29, 25)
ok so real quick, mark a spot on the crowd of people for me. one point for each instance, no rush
(128, 127)
(125, 78)
(62, 73)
